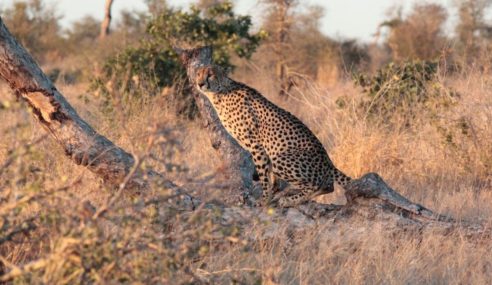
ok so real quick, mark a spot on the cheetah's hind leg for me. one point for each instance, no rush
(293, 199)
(298, 194)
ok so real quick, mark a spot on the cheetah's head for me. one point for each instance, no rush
(212, 79)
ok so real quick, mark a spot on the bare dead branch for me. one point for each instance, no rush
(79, 140)
(371, 185)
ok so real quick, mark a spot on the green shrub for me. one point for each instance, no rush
(402, 93)
(152, 66)
(83, 33)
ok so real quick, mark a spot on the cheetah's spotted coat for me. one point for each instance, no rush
(282, 147)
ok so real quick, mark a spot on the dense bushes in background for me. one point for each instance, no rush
(399, 92)
(36, 27)
(153, 67)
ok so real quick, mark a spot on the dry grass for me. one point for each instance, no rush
(152, 243)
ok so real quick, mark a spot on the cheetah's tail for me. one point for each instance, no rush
(341, 178)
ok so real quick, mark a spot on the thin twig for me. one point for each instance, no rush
(14, 154)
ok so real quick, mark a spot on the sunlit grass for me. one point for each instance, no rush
(152, 242)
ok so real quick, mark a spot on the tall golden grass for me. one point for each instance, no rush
(141, 242)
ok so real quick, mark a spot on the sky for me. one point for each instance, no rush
(346, 19)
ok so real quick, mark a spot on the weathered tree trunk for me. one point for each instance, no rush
(280, 46)
(372, 204)
(81, 143)
(237, 159)
(105, 25)
(281, 20)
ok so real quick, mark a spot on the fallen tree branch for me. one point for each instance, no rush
(372, 185)
(79, 140)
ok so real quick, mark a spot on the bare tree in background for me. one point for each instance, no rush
(472, 27)
(296, 48)
(156, 7)
(419, 35)
(105, 25)
(279, 21)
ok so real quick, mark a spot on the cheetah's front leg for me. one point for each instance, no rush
(267, 179)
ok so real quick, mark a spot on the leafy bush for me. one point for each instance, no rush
(83, 32)
(403, 92)
(139, 240)
(153, 65)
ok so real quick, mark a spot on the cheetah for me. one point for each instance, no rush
(281, 146)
